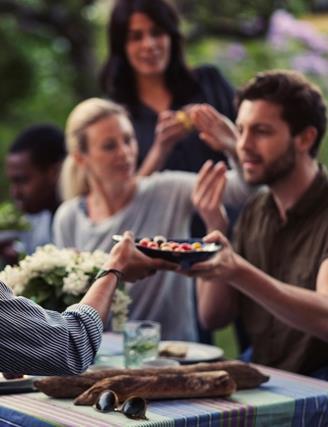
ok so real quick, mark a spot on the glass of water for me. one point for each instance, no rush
(141, 341)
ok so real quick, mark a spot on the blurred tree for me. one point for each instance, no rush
(47, 63)
(51, 51)
(15, 70)
(245, 19)
(63, 19)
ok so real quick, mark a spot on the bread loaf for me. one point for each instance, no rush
(244, 375)
(166, 386)
(174, 350)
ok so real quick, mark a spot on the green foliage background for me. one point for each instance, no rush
(51, 52)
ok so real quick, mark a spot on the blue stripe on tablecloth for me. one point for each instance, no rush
(205, 412)
(36, 410)
(5, 423)
(276, 403)
(13, 418)
(309, 411)
(62, 412)
(271, 409)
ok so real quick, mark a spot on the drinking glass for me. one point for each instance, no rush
(141, 341)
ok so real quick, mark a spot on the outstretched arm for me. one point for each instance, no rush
(300, 308)
(309, 311)
(42, 342)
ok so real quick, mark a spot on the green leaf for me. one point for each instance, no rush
(12, 219)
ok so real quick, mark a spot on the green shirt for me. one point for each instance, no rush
(291, 252)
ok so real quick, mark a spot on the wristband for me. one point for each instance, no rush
(117, 273)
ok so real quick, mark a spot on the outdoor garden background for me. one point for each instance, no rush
(52, 50)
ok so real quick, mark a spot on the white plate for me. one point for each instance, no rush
(196, 352)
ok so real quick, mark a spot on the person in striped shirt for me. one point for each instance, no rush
(43, 342)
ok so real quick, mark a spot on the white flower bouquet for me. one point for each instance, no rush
(56, 278)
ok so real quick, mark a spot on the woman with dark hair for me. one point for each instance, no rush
(146, 72)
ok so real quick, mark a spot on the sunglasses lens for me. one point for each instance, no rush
(107, 401)
(135, 408)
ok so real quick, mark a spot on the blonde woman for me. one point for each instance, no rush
(105, 196)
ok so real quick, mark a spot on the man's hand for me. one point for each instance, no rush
(207, 195)
(133, 263)
(222, 266)
(215, 128)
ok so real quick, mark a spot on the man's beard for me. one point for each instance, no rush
(279, 168)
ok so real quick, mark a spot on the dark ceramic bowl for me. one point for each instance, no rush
(185, 259)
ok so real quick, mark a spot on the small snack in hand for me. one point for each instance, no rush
(183, 118)
(177, 350)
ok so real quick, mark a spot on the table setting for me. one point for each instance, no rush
(137, 379)
(275, 398)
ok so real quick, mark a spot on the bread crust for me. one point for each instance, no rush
(166, 386)
(245, 375)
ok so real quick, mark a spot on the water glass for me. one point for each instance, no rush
(141, 341)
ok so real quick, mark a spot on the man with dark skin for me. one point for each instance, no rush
(33, 164)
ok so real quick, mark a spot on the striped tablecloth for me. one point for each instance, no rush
(286, 400)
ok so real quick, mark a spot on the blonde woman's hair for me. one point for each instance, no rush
(73, 180)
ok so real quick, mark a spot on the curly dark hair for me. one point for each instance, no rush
(301, 101)
(44, 142)
(117, 77)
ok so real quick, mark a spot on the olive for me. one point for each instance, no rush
(107, 401)
(159, 240)
(135, 408)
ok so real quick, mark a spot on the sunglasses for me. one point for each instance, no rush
(134, 407)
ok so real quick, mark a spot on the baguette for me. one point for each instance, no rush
(166, 386)
(245, 376)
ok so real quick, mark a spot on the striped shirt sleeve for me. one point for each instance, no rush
(42, 342)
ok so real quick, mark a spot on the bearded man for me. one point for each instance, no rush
(276, 277)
